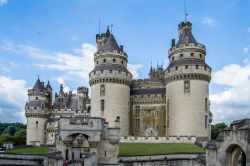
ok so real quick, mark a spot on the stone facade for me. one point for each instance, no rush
(171, 103)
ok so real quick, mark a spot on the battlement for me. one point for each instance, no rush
(189, 45)
(108, 52)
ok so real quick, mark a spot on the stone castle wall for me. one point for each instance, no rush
(187, 111)
(116, 99)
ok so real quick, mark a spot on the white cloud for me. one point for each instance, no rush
(3, 2)
(246, 50)
(13, 95)
(133, 68)
(234, 101)
(76, 65)
(209, 21)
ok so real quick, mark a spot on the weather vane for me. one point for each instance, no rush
(111, 27)
(185, 11)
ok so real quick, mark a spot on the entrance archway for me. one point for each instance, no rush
(235, 156)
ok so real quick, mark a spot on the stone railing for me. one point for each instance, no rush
(170, 139)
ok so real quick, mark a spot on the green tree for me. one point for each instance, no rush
(216, 129)
(20, 137)
(5, 138)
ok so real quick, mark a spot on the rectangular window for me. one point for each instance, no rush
(206, 104)
(36, 122)
(102, 105)
(137, 110)
(206, 121)
(197, 67)
(137, 123)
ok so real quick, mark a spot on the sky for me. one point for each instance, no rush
(55, 40)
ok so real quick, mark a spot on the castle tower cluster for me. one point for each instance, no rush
(170, 102)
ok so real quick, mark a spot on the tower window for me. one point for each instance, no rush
(205, 68)
(104, 60)
(137, 123)
(101, 71)
(172, 58)
(110, 71)
(122, 62)
(186, 67)
(36, 122)
(119, 72)
(137, 110)
(36, 98)
(181, 55)
(102, 104)
(51, 135)
(206, 121)
(192, 54)
(206, 103)
(94, 72)
(176, 68)
(200, 55)
(197, 67)
(96, 62)
(114, 60)
(34, 108)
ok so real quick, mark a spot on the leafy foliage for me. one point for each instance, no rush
(216, 129)
(14, 132)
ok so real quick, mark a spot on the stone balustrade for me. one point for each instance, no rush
(169, 139)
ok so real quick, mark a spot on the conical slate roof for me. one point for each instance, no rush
(48, 87)
(110, 44)
(38, 85)
(186, 37)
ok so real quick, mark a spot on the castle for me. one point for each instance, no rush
(171, 102)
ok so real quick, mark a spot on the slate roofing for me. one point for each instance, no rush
(188, 61)
(38, 85)
(55, 155)
(110, 66)
(148, 91)
(48, 86)
(239, 121)
(110, 44)
(246, 127)
(186, 37)
(36, 103)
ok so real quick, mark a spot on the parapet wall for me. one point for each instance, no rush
(170, 139)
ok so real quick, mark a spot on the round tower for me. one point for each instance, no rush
(37, 112)
(110, 82)
(187, 86)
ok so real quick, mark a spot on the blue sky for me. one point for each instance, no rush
(56, 40)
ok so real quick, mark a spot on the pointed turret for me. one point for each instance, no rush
(48, 87)
(110, 44)
(61, 88)
(38, 85)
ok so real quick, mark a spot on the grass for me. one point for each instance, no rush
(143, 149)
(29, 150)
